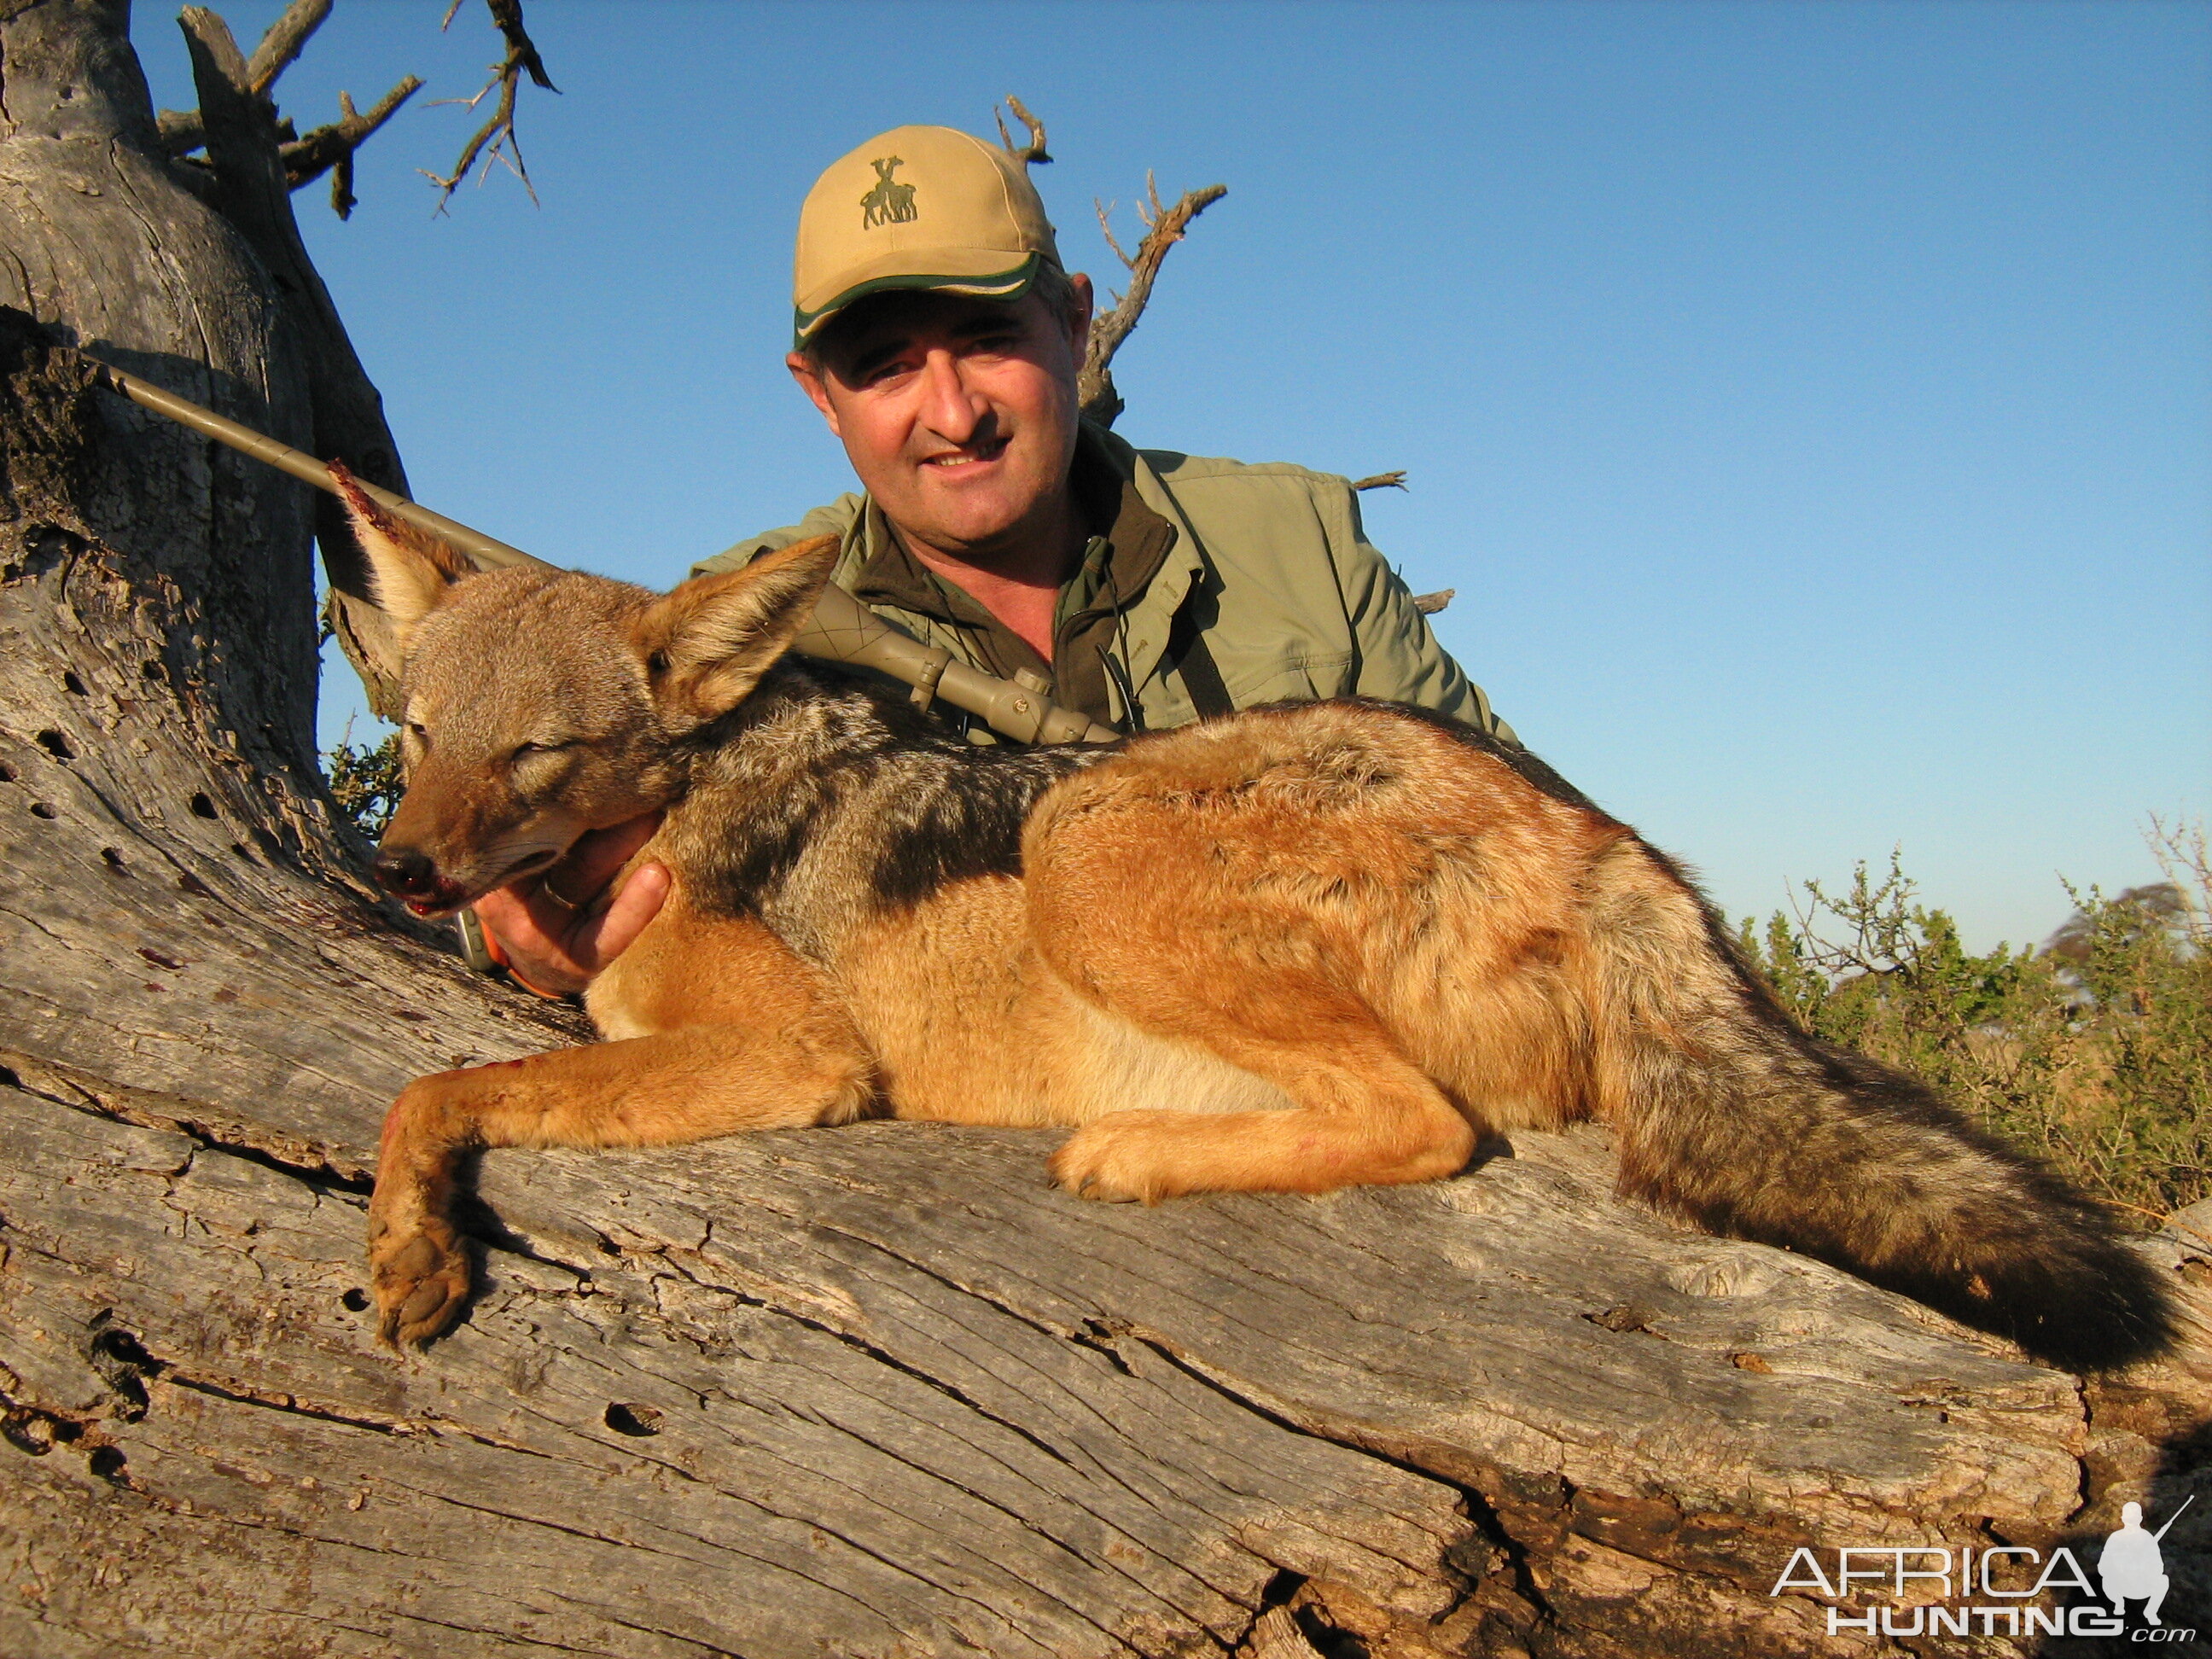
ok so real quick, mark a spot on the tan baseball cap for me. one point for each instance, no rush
(917, 208)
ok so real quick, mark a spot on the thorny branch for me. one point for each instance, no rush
(1164, 227)
(498, 133)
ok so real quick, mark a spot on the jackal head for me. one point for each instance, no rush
(538, 704)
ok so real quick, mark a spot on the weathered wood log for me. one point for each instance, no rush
(880, 1390)
(870, 1391)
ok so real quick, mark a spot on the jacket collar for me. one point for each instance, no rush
(1133, 549)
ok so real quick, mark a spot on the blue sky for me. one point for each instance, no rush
(1811, 403)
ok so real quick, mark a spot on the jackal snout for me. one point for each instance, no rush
(411, 875)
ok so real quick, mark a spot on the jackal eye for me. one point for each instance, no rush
(657, 664)
(524, 750)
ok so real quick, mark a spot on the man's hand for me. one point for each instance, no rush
(558, 931)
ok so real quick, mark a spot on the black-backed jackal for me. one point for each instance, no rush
(1304, 947)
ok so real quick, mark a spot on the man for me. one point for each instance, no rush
(940, 338)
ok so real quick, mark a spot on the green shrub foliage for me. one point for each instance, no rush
(2094, 1052)
(367, 782)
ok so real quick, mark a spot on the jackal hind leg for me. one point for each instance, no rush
(1364, 1114)
(674, 1086)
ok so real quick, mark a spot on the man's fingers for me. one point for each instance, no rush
(528, 934)
(603, 938)
(594, 860)
(525, 928)
(562, 929)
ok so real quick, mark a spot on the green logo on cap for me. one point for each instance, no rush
(890, 203)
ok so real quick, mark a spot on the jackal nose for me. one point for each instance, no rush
(407, 872)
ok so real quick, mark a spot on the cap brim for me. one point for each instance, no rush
(1006, 284)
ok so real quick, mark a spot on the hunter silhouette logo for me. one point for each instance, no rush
(2131, 1567)
(890, 203)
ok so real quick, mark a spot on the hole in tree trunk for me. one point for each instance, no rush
(633, 1419)
(56, 744)
(203, 807)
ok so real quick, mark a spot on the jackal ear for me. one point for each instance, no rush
(708, 643)
(410, 568)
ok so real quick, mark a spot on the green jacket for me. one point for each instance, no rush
(1290, 599)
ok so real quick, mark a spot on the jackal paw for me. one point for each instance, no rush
(419, 1277)
(1121, 1159)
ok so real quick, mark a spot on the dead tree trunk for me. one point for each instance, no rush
(873, 1391)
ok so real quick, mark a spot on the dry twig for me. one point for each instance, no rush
(498, 133)
(1428, 603)
(283, 42)
(332, 148)
(1382, 481)
(1164, 227)
(1031, 154)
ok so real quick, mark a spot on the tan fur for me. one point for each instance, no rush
(1307, 947)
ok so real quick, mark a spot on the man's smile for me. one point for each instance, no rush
(974, 455)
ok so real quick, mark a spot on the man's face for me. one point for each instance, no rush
(958, 414)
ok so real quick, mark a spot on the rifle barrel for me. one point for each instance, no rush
(303, 466)
(2161, 1534)
(841, 629)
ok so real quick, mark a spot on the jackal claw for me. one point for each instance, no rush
(1117, 1163)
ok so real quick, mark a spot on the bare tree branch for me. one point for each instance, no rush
(183, 131)
(1105, 211)
(1031, 154)
(1164, 229)
(281, 45)
(1428, 603)
(307, 159)
(1382, 481)
(495, 141)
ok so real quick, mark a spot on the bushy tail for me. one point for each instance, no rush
(1732, 1115)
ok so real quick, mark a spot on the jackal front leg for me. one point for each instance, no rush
(688, 1084)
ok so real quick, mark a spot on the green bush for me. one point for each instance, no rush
(2094, 1052)
(365, 782)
